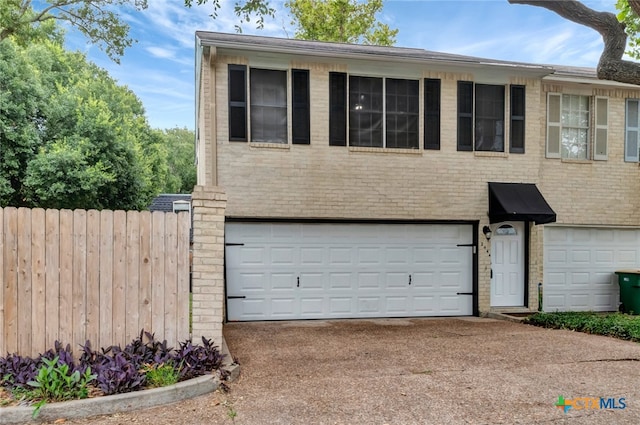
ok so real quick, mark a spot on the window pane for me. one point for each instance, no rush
(516, 139)
(268, 106)
(575, 126)
(402, 113)
(365, 111)
(489, 118)
(574, 143)
(237, 103)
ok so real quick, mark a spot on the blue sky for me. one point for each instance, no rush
(159, 68)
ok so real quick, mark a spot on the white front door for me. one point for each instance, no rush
(507, 265)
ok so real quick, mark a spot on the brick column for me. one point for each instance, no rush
(209, 203)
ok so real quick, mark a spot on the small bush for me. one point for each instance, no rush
(145, 362)
(56, 381)
(197, 360)
(160, 375)
(16, 371)
(616, 325)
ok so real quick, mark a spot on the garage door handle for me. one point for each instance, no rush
(236, 297)
(298, 281)
(464, 293)
(409, 279)
(233, 244)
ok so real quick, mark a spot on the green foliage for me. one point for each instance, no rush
(56, 382)
(160, 375)
(631, 20)
(616, 325)
(344, 21)
(180, 150)
(100, 21)
(70, 136)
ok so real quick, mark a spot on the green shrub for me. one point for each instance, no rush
(160, 375)
(617, 325)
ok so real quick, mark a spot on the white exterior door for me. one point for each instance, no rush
(285, 271)
(507, 265)
(580, 265)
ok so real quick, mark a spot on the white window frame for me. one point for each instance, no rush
(597, 127)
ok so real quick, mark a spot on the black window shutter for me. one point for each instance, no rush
(517, 119)
(238, 103)
(465, 115)
(337, 109)
(300, 108)
(432, 113)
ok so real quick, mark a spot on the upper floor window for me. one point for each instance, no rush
(570, 123)
(632, 131)
(268, 105)
(381, 112)
(481, 117)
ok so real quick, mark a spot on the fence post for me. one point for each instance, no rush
(209, 203)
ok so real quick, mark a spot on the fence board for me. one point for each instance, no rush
(24, 280)
(170, 276)
(119, 275)
(145, 271)
(132, 326)
(93, 278)
(183, 265)
(91, 275)
(38, 276)
(2, 285)
(157, 265)
(65, 278)
(52, 308)
(79, 284)
(10, 282)
(106, 277)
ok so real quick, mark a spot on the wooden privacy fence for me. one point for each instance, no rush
(91, 275)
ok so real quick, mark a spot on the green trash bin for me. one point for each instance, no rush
(629, 281)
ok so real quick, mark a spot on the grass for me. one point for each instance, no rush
(617, 325)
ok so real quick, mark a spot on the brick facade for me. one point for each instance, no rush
(333, 182)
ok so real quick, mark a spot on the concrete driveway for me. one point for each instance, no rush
(418, 371)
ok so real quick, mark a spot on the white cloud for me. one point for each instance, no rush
(161, 52)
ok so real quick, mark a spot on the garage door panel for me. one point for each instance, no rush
(340, 256)
(347, 270)
(282, 282)
(342, 307)
(369, 281)
(339, 281)
(397, 305)
(584, 278)
(628, 256)
(369, 305)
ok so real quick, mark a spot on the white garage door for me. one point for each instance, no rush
(580, 265)
(284, 271)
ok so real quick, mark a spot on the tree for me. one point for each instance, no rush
(611, 65)
(70, 137)
(99, 20)
(179, 143)
(344, 21)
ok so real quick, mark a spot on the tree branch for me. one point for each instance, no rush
(611, 65)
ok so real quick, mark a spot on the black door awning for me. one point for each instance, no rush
(518, 202)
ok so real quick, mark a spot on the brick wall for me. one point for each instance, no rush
(322, 181)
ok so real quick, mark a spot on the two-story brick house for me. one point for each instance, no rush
(368, 181)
